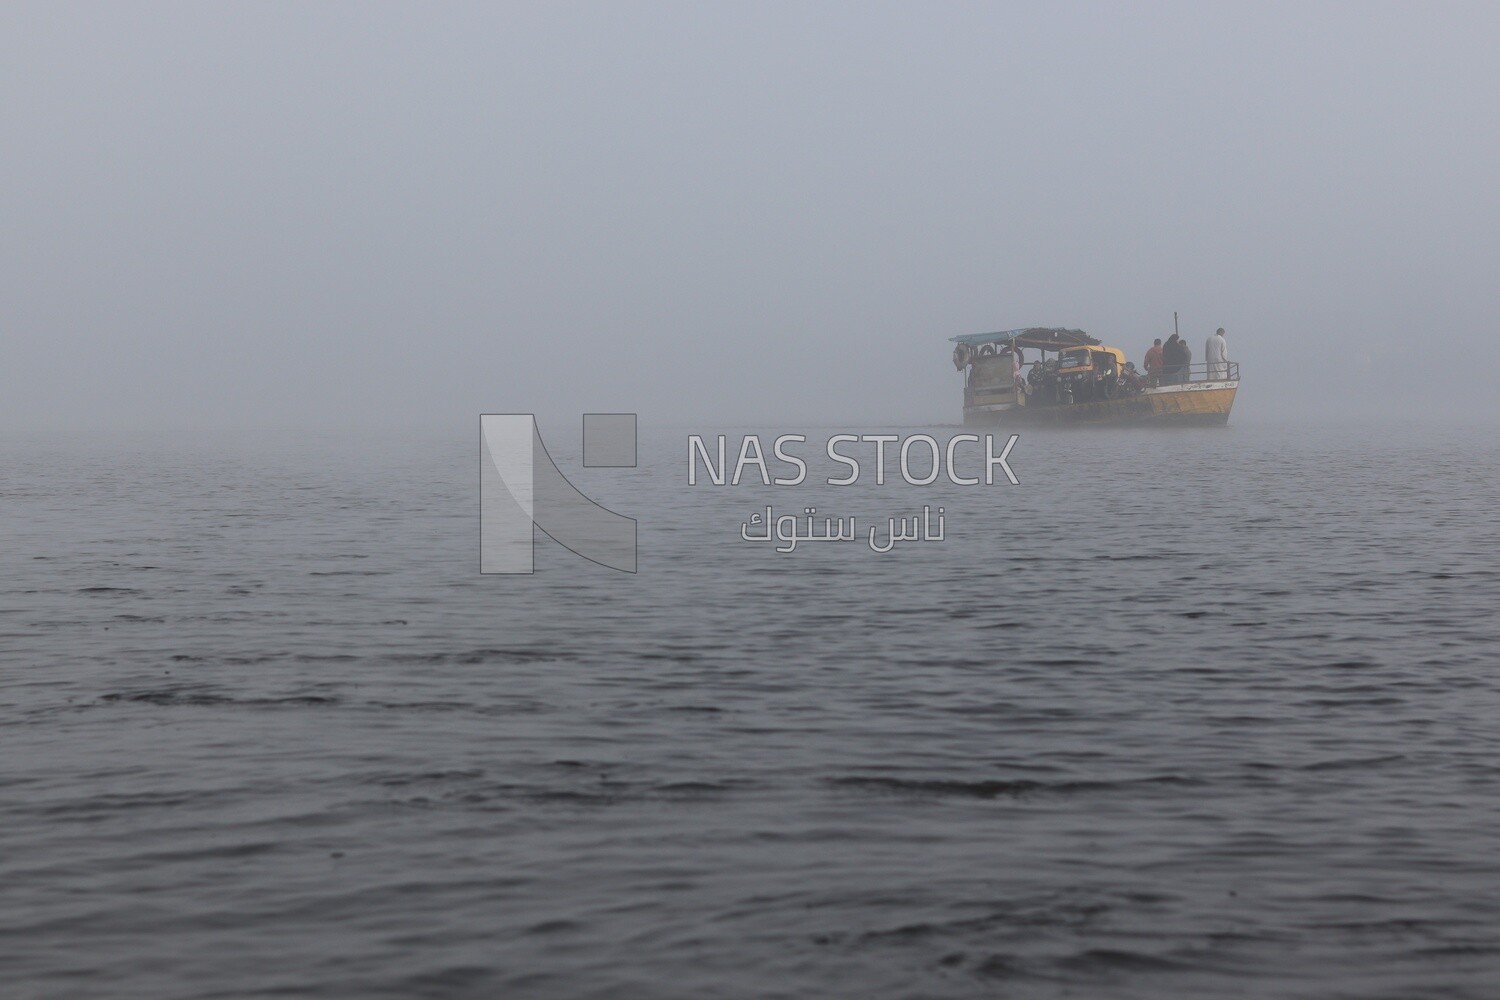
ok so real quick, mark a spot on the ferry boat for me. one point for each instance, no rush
(1009, 378)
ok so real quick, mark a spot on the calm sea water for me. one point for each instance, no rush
(1207, 713)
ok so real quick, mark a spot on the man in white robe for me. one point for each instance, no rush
(1216, 354)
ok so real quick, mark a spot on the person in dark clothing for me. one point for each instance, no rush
(1171, 360)
(1187, 360)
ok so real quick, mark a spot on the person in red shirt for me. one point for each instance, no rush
(1153, 362)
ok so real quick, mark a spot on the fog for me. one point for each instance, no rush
(389, 215)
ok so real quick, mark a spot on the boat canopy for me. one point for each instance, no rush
(1043, 338)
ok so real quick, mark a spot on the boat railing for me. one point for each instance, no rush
(1222, 371)
(1226, 371)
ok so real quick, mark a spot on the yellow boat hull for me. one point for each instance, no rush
(1191, 404)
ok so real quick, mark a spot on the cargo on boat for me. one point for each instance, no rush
(1009, 377)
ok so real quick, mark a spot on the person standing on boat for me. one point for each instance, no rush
(1187, 361)
(1216, 353)
(1171, 359)
(1153, 362)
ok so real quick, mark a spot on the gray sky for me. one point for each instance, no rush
(225, 214)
